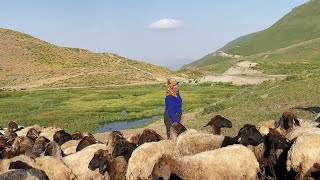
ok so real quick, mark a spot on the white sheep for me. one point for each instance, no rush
(144, 158)
(192, 143)
(70, 147)
(305, 125)
(79, 161)
(54, 168)
(304, 153)
(5, 163)
(231, 162)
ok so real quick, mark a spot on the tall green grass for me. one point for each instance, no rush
(85, 109)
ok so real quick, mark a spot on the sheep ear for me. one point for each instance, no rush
(159, 137)
(239, 139)
(297, 121)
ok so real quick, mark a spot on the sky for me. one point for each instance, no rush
(170, 33)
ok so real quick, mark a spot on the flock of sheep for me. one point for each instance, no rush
(285, 149)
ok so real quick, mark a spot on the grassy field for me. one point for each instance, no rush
(85, 109)
(265, 102)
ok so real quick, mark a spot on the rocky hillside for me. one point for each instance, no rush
(28, 62)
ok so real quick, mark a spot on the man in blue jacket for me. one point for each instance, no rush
(173, 102)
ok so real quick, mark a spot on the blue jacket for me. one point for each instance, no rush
(174, 106)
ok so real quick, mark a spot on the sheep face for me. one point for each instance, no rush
(33, 133)
(276, 141)
(39, 146)
(288, 120)
(100, 160)
(61, 137)
(119, 149)
(249, 135)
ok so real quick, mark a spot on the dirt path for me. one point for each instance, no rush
(240, 74)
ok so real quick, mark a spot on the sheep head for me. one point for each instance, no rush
(33, 133)
(176, 129)
(249, 135)
(288, 120)
(274, 140)
(53, 149)
(12, 125)
(114, 136)
(219, 122)
(149, 135)
(100, 160)
(61, 137)
(86, 141)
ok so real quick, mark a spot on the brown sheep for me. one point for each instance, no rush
(86, 141)
(39, 146)
(61, 137)
(218, 122)
(149, 135)
(12, 126)
(116, 167)
(53, 149)
(33, 133)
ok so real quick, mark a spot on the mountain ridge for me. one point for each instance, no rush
(26, 60)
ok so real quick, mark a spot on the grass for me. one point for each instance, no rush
(85, 109)
(265, 102)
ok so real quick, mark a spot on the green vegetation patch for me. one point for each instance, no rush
(85, 109)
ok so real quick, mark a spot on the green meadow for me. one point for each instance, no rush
(266, 101)
(85, 109)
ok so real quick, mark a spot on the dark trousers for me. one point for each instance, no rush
(168, 122)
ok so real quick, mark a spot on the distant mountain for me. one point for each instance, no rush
(299, 28)
(27, 62)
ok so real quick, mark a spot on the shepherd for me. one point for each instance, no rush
(173, 102)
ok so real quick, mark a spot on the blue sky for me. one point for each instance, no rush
(167, 32)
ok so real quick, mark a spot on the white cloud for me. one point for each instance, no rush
(166, 23)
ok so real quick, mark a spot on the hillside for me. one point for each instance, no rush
(28, 62)
(298, 30)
